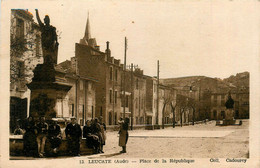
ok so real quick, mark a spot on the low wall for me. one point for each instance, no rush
(16, 147)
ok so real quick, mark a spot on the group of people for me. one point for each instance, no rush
(95, 133)
(36, 134)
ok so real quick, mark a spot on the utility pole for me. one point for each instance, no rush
(157, 107)
(124, 69)
(132, 96)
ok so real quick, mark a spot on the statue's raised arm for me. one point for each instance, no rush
(38, 18)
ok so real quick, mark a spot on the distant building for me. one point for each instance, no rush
(139, 97)
(167, 100)
(151, 100)
(25, 54)
(241, 104)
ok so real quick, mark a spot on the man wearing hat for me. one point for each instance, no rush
(54, 135)
(73, 133)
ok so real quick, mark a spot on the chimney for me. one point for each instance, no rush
(97, 48)
(108, 50)
(74, 65)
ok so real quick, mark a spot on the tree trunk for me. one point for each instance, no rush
(173, 116)
(163, 115)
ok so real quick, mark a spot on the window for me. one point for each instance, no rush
(111, 73)
(215, 114)
(110, 118)
(20, 29)
(115, 97)
(136, 103)
(137, 83)
(110, 96)
(81, 85)
(89, 86)
(116, 74)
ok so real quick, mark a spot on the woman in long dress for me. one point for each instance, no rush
(103, 133)
(123, 134)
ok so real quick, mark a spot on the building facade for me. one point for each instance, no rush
(80, 99)
(241, 104)
(25, 54)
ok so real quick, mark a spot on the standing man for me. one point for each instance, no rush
(42, 130)
(73, 134)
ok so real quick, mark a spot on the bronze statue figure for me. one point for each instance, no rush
(230, 102)
(49, 39)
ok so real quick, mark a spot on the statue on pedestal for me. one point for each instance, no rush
(229, 108)
(230, 102)
(49, 40)
(44, 86)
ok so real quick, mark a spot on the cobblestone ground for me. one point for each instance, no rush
(198, 141)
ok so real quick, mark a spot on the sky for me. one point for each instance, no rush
(209, 38)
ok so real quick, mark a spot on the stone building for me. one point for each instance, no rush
(151, 100)
(80, 99)
(110, 88)
(139, 97)
(107, 70)
(167, 100)
(25, 54)
(241, 103)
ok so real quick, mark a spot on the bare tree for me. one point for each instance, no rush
(182, 102)
(193, 105)
(168, 97)
(21, 41)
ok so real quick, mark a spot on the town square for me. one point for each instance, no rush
(98, 83)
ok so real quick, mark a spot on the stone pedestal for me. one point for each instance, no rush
(229, 114)
(229, 117)
(45, 91)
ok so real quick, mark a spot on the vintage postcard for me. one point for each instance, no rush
(145, 83)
